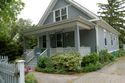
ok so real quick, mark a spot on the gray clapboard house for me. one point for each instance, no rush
(67, 26)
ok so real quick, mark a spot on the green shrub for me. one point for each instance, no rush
(67, 62)
(92, 58)
(30, 78)
(92, 67)
(46, 64)
(60, 63)
(119, 53)
(105, 57)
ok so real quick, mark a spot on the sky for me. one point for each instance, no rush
(34, 9)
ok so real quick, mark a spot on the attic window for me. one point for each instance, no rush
(60, 14)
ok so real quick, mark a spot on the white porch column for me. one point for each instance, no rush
(77, 38)
(48, 44)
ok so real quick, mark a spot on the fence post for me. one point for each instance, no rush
(20, 65)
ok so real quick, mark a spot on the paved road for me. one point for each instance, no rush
(113, 73)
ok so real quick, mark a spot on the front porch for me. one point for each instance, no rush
(63, 37)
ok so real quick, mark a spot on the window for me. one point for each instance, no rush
(44, 41)
(63, 13)
(59, 40)
(105, 39)
(57, 15)
(60, 14)
(111, 41)
(111, 35)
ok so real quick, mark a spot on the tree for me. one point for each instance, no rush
(9, 9)
(17, 32)
(114, 13)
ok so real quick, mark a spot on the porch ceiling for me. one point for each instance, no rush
(66, 24)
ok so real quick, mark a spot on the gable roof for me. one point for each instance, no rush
(75, 4)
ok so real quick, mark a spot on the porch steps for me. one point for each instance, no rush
(31, 59)
(32, 63)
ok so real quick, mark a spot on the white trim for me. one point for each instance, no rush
(60, 10)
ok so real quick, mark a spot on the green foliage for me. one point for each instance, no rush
(93, 58)
(60, 63)
(105, 57)
(10, 48)
(18, 30)
(119, 53)
(69, 62)
(9, 9)
(92, 67)
(30, 78)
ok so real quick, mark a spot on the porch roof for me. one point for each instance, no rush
(69, 23)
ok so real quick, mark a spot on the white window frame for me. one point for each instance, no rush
(54, 17)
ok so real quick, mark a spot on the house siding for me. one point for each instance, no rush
(108, 36)
(60, 3)
(72, 12)
(88, 39)
(49, 19)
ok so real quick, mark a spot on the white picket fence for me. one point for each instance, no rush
(12, 73)
(3, 58)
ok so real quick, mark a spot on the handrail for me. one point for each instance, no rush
(30, 56)
(43, 52)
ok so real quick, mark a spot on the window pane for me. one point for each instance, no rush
(57, 13)
(59, 40)
(105, 41)
(53, 40)
(64, 17)
(44, 41)
(57, 19)
(44, 38)
(63, 11)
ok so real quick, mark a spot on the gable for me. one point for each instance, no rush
(60, 3)
(73, 11)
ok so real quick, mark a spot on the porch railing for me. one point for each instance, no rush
(44, 53)
(29, 56)
(83, 50)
